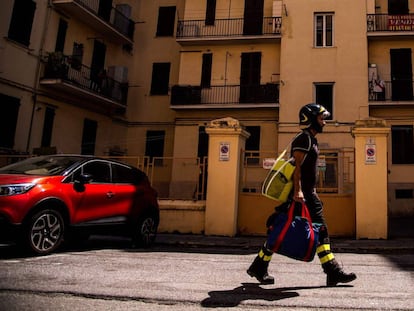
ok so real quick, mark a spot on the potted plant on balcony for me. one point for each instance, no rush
(56, 66)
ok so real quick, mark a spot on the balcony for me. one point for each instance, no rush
(229, 96)
(191, 31)
(390, 25)
(107, 20)
(67, 77)
(398, 92)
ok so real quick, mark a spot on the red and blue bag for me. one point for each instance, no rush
(293, 234)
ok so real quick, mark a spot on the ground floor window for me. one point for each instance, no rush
(402, 137)
(154, 146)
(8, 120)
(89, 136)
(324, 96)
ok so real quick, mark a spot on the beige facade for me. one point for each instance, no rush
(189, 62)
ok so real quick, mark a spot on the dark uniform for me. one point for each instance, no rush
(307, 143)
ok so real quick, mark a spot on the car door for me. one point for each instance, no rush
(97, 195)
(128, 192)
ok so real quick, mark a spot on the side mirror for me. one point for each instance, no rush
(79, 183)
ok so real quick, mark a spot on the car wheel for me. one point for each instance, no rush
(44, 232)
(146, 230)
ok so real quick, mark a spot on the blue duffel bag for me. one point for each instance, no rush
(293, 234)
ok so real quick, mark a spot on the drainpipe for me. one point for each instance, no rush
(37, 74)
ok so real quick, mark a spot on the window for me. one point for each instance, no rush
(61, 35)
(48, 127)
(125, 175)
(202, 143)
(402, 144)
(404, 193)
(8, 120)
(89, 137)
(21, 21)
(324, 96)
(398, 7)
(154, 146)
(166, 21)
(100, 171)
(210, 12)
(160, 78)
(323, 30)
(206, 70)
(253, 145)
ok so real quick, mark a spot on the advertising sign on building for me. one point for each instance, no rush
(401, 22)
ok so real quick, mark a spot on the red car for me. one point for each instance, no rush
(46, 199)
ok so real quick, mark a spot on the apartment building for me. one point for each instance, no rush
(260, 61)
(64, 75)
(144, 78)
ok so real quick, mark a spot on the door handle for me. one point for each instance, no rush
(110, 194)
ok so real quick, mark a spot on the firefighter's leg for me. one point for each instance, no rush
(258, 268)
(334, 272)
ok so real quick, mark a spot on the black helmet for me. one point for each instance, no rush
(308, 116)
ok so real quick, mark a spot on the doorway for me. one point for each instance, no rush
(401, 74)
(253, 17)
(250, 76)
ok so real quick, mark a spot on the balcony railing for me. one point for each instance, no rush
(101, 17)
(70, 71)
(390, 23)
(222, 95)
(398, 90)
(234, 27)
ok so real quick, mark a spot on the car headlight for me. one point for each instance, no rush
(15, 189)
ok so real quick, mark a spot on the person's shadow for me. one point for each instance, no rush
(250, 291)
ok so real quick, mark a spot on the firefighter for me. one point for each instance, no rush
(305, 152)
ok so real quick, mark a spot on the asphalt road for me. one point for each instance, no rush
(111, 276)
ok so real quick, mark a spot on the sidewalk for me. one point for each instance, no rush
(401, 240)
(252, 243)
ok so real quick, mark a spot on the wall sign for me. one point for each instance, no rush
(370, 154)
(224, 151)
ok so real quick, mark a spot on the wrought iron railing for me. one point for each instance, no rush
(69, 70)
(227, 94)
(234, 27)
(390, 23)
(112, 16)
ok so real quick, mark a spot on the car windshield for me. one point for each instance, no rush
(44, 165)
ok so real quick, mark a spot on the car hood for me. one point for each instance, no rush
(6, 179)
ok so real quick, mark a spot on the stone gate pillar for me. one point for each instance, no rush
(371, 178)
(227, 139)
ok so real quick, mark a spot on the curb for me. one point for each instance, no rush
(401, 245)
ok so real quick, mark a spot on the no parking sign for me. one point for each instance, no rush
(370, 154)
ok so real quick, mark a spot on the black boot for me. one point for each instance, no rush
(335, 274)
(258, 268)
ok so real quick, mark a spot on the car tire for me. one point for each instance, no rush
(145, 231)
(44, 232)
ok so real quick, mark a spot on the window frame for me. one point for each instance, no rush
(166, 21)
(401, 149)
(160, 79)
(206, 70)
(155, 149)
(324, 30)
(252, 146)
(21, 22)
(317, 100)
(210, 13)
